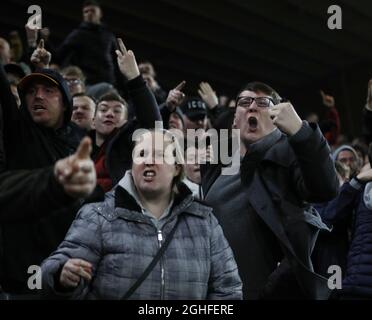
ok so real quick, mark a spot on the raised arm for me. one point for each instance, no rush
(314, 176)
(145, 106)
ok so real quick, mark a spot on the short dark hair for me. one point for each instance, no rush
(257, 86)
(73, 71)
(112, 96)
(83, 94)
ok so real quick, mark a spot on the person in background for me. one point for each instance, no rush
(83, 111)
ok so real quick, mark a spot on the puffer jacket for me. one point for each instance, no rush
(358, 278)
(120, 242)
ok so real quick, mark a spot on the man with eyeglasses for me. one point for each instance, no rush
(285, 163)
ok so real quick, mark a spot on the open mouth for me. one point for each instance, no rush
(149, 175)
(253, 122)
(38, 107)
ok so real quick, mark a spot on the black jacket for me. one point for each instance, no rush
(28, 195)
(92, 48)
(29, 146)
(294, 171)
(119, 149)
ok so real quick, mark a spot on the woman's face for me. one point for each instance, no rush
(154, 165)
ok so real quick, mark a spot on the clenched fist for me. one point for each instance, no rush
(286, 118)
(73, 271)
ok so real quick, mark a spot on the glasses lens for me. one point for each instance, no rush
(245, 102)
(263, 102)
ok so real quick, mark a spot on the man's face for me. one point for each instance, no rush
(153, 166)
(254, 122)
(199, 122)
(109, 116)
(347, 157)
(83, 112)
(45, 104)
(150, 81)
(175, 122)
(75, 85)
(92, 14)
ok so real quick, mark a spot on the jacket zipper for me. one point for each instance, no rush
(160, 240)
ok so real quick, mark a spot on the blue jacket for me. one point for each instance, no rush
(358, 278)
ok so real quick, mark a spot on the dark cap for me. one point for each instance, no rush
(194, 109)
(15, 69)
(54, 78)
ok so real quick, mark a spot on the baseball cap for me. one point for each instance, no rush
(194, 109)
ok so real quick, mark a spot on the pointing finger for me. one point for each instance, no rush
(84, 149)
(180, 86)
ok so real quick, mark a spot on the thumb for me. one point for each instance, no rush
(322, 93)
(84, 149)
(180, 86)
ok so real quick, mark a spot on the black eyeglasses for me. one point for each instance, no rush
(261, 102)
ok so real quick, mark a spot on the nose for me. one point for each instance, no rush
(149, 160)
(109, 114)
(253, 106)
(39, 93)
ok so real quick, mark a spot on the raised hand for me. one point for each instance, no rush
(73, 271)
(208, 95)
(77, 173)
(328, 100)
(127, 61)
(286, 118)
(175, 97)
(41, 57)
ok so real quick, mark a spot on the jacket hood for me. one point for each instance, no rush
(342, 148)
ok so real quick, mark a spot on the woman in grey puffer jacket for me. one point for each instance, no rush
(110, 244)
